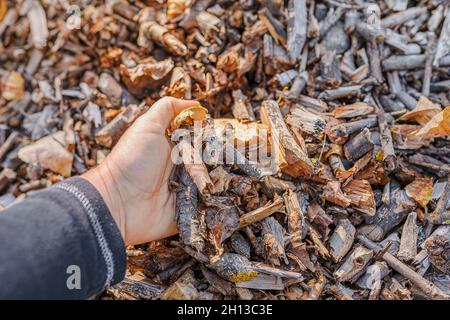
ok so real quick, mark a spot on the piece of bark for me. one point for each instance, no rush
(156, 32)
(233, 156)
(182, 289)
(397, 41)
(330, 70)
(402, 17)
(361, 196)
(342, 92)
(313, 103)
(390, 105)
(111, 133)
(331, 19)
(284, 78)
(369, 32)
(375, 61)
(335, 162)
(434, 165)
(353, 110)
(360, 144)
(406, 99)
(332, 192)
(443, 45)
(8, 143)
(340, 292)
(320, 218)
(244, 294)
(141, 289)
(336, 39)
(316, 288)
(429, 53)
(234, 268)
(297, 86)
(354, 265)
(259, 267)
(388, 216)
(352, 18)
(273, 185)
(437, 247)
(180, 84)
(224, 287)
(373, 275)
(195, 167)
(345, 129)
(408, 243)
(187, 212)
(6, 177)
(222, 220)
(274, 55)
(262, 282)
(438, 215)
(241, 108)
(240, 245)
(296, 28)
(429, 288)
(261, 213)
(404, 62)
(145, 77)
(315, 237)
(117, 95)
(273, 25)
(296, 217)
(389, 157)
(161, 261)
(50, 153)
(221, 179)
(8, 19)
(307, 121)
(187, 117)
(189, 20)
(300, 255)
(38, 24)
(273, 241)
(291, 157)
(341, 240)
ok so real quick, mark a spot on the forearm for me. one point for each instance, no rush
(52, 230)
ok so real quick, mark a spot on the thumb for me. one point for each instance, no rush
(167, 108)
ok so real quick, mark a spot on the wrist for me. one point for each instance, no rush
(103, 180)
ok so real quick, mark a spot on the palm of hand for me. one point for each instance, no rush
(135, 176)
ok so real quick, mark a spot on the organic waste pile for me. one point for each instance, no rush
(345, 103)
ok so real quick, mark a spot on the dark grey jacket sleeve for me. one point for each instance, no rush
(60, 243)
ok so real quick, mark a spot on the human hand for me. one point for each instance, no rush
(133, 179)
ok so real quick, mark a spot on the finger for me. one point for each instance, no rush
(167, 108)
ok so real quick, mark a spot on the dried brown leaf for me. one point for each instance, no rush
(424, 111)
(420, 190)
(438, 126)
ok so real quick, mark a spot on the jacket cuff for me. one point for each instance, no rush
(107, 234)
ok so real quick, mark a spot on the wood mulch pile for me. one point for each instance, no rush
(346, 104)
